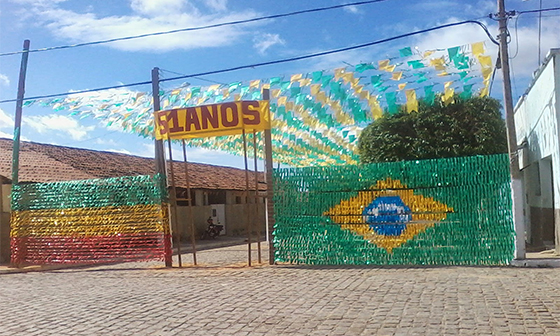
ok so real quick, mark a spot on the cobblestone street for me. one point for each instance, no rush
(146, 299)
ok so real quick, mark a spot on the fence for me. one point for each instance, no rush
(432, 212)
(89, 221)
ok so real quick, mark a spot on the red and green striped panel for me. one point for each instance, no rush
(91, 221)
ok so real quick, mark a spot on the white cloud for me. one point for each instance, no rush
(437, 9)
(352, 10)
(60, 124)
(4, 80)
(218, 5)
(263, 42)
(11, 136)
(147, 16)
(145, 150)
(455, 36)
(106, 142)
(6, 121)
(38, 3)
(122, 151)
(525, 44)
(341, 59)
(202, 154)
(522, 48)
(157, 7)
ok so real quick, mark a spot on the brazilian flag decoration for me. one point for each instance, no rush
(454, 211)
(89, 221)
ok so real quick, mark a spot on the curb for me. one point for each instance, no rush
(536, 263)
(185, 249)
(41, 268)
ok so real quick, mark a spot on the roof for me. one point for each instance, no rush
(50, 163)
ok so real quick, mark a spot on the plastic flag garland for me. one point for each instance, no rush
(325, 110)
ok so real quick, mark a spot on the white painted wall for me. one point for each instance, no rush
(537, 123)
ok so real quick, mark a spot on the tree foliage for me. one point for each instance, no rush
(469, 126)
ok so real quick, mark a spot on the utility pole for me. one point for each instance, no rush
(516, 185)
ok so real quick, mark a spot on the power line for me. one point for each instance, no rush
(199, 78)
(274, 16)
(538, 10)
(518, 13)
(323, 53)
(78, 92)
(292, 59)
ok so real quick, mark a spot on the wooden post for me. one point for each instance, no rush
(160, 169)
(17, 132)
(189, 197)
(257, 197)
(247, 219)
(19, 112)
(173, 204)
(269, 185)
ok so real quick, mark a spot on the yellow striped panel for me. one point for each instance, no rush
(90, 221)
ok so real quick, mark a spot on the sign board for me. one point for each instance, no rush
(212, 120)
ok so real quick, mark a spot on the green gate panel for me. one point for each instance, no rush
(453, 211)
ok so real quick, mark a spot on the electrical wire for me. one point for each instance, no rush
(199, 78)
(538, 10)
(513, 78)
(292, 59)
(223, 24)
(519, 13)
(516, 39)
(540, 31)
(492, 79)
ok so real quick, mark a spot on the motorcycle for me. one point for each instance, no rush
(213, 230)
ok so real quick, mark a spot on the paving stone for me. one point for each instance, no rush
(145, 299)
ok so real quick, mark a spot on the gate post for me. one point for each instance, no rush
(160, 169)
(269, 184)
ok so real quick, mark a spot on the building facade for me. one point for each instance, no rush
(537, 123)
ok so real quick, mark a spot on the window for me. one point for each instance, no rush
(216, 197)
(537, 184)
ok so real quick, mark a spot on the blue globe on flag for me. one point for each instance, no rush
(387, 215)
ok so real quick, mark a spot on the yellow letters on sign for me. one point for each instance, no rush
(212, 120)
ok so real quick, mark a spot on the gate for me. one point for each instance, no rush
(453, 211)
(89, 221)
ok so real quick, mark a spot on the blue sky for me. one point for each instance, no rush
(60, 22)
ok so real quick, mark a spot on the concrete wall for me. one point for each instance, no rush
(5, 223)
(238, 214)
(200, 214)
(235, 220)
(537, 123)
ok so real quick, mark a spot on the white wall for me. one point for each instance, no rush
(537, 123)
